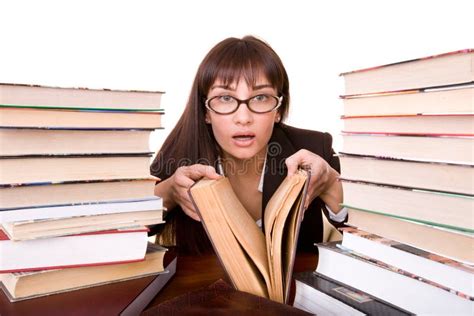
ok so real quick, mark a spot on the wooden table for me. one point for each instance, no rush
(194, 272)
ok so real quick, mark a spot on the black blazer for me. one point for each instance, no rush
(286, 141)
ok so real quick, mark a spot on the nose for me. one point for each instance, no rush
(243, 115)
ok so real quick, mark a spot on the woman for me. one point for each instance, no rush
(233, 123)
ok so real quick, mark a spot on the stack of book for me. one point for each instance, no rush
(75, 189)
(407, 173)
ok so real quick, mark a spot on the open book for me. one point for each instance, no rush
(256, 262)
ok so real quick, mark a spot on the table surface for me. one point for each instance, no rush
(194, 272)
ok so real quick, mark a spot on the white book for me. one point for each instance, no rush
(72, 251)
(83, 209)
(390, 283)
(451, 273)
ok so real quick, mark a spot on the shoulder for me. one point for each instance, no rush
(315, 141)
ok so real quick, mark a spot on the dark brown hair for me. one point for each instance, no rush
(192, 141)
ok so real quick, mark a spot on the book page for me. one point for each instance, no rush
(210, 206)
(278, 209)
(244, 227)
(290, 238)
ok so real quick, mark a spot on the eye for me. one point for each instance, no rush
(260, 98)
(225, 99)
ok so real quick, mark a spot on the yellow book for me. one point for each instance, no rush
(258, 262)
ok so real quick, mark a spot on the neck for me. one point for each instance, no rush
(244, 168)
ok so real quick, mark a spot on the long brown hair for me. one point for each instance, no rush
(191, 141)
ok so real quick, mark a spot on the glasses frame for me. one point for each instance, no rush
(246, 102)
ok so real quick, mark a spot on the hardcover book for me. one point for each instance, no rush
(257, 262)
(48, 212)
(27, 195)
(72, 251)
(445, 177)
(82, 167)
(129, 297)
(33, 284)
(321, 295)
(50, 141)
(448, 99)
(438, 70)
(39, 117)
(461, 124)
(391, 284)
(445, 242)
(441, 148)
(451, 273)
(62, 97)
(47, 228)
(432, 207)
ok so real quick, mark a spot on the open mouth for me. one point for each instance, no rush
(243, 137)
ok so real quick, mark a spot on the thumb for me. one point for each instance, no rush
(292, 163)
(210, 172)
(199, 171)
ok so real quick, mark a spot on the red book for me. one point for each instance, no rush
(72, 251)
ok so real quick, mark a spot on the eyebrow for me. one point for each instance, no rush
(227, 87)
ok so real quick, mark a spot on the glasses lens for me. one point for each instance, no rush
(226, 104)
(263, 103)
(223, 104)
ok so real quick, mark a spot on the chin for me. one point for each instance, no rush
(243, 154)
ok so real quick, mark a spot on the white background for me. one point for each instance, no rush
(158, 45)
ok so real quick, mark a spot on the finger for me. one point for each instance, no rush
(188, 208)
(301, 158)
(199, 171)
(183, 181)
(306, 203)
(191, 213)
(292, 163)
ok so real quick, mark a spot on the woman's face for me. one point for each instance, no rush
(243, 134)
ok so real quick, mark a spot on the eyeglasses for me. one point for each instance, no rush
(226, 104)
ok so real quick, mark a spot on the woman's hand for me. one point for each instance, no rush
(323, 180)
(174, 190)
